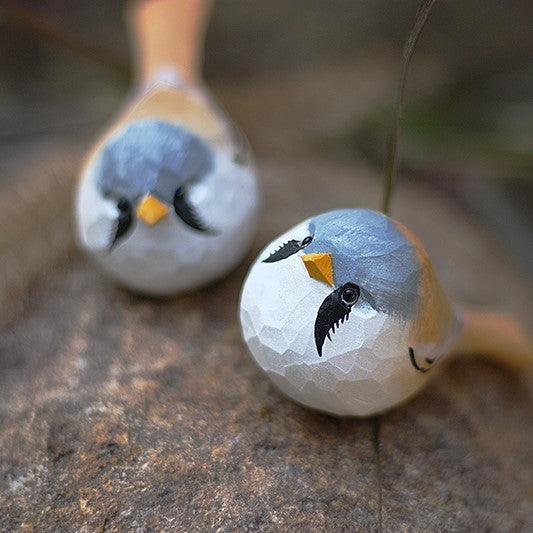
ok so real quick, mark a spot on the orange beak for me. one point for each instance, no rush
(319, 267)
(151, 210)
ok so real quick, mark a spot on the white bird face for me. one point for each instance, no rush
(163, 243)
(362, 367)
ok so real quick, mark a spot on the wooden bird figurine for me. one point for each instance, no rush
(168, 198)
(345, 314)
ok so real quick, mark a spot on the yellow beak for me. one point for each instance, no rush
(151, 210)
(319, 267)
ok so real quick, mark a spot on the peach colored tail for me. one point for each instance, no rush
(497, 336)
(169, 34)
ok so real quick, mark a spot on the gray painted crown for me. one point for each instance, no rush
(151, 156)
(369, 249)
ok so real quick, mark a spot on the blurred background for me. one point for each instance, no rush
(468, 122)
(121, 413)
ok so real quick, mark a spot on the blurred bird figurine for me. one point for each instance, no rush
(345, 315)
(168, 198)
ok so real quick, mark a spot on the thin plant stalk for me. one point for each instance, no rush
(390, 167)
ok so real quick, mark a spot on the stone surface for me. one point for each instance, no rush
(148, 414)
(121, 413)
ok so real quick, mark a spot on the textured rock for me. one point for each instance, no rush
(138, 413)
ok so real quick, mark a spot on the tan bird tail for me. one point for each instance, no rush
(497, 336)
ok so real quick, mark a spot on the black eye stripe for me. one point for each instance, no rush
(124, 220)
(333, 311)
(284, 251)
(288, 249)
(185, 210)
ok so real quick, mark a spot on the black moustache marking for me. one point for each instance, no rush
(415, 364)
(123, 223)
(284, 251)
(187, 212)
(331, 314)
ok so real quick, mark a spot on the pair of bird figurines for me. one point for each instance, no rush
(343, 311)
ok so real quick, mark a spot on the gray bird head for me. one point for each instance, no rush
(146, 167)
(361, 254)
(152, 157)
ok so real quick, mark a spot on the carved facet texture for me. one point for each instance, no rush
(176, 225)
(366, 367)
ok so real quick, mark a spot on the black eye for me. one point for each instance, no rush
(306, 241)
(350, 294)
(124, 220)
